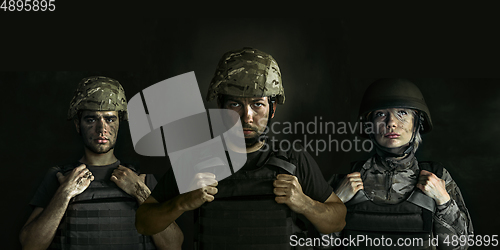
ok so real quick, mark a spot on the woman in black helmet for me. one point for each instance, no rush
(393, 199)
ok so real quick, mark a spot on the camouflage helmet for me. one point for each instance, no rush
(395, 93)
(247, 72)
(98, 93)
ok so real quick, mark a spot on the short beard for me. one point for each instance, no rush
(252, 141)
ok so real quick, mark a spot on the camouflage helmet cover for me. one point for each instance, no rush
(395, 93)
(247, 72)
(98, 93)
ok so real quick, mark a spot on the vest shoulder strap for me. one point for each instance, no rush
(432, 166)
(356, 166)
(279, 158)
(285, 165)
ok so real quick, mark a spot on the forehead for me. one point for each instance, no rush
(245, 99)
(99, 113)
(394, 109)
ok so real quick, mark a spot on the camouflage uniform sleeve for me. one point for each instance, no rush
(452, 219)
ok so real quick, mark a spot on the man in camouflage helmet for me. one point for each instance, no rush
(392, 194)
(251, 209)
(91, 203)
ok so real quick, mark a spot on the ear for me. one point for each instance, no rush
(77, 125)
(274, 109)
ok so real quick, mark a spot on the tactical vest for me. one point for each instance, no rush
(245, 215)
(101, 217)
(412, 218)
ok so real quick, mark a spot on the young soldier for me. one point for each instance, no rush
(91, 203)
(392, 195)
(259, 206)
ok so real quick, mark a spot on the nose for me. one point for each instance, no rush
(101, 126)
(391, 120)
(247, 116)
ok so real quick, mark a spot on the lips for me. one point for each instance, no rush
(391, 135)
(248, 131)
(102, 140)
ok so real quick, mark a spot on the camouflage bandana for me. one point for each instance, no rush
(247, 72)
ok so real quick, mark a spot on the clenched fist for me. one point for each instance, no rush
(433, 187)
(206, 189)
(127, 180)
(76, 181)
(289, 191)
(350, 185)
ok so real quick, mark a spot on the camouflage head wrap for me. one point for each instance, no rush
(247, 72)
(100, 94)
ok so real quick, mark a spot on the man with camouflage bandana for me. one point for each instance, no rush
(270, 199)
(91, 204)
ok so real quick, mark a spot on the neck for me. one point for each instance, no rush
(91, 158)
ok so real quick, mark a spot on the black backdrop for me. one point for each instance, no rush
(325, 71)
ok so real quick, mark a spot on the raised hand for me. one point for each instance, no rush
(76, 181)
(350, 185)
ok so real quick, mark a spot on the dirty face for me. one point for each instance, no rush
(394, 126)
(253, 113)
(99, 130)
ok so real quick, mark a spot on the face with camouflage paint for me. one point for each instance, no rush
(394, 127)
(253, 113)
(99, 130)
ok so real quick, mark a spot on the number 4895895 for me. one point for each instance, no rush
(28, 5)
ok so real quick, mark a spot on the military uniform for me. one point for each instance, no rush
(244, 213)
(389, 181)
(103, 215)
(85, 226)
(389, 203)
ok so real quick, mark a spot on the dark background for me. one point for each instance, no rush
(326, 65)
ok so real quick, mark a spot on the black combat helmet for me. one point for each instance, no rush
(395, 93)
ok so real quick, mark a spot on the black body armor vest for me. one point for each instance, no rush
(412, 218)
(245, 215)
(101, 217)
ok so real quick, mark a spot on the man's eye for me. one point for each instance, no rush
(379, 114)
(234, 105)
(258, 104)
(110, 120)
(90, 120)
